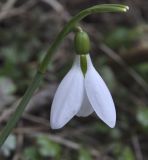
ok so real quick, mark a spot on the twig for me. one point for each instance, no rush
(60, 140)
(36, 119)
(137, 148)
(1, 4)
(136, 56)
(6, 8)
(41, 98)
(17, 11)
(19, 145)
(127, 68)
(59, 8)
(9, 4)
(55, 5)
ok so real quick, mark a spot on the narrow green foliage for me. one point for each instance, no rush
(20, 109)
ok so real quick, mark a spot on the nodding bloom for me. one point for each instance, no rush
(82, 92)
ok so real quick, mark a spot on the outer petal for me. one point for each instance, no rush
(68, 98)
(86, 108)
(99, 95)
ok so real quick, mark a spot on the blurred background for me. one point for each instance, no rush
(120, 54)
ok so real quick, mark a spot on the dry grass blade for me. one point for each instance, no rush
(127, 68)
(137, 148)
(9, 11)
(58, 139)
(59, 8)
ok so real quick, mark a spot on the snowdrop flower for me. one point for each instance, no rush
(82, 92)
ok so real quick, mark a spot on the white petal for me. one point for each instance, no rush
(86, 108)
(99, 95)
(69, 97)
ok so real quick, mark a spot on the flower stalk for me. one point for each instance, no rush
(72, 26)
(69, 27)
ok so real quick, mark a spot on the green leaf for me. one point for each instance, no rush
(9, 145)
(108, 76)
(142, 116)
(117, 38)
(142, 68)
(84, 154)
(48, 147)
(31, 153)
(7, 86)
(127, 154)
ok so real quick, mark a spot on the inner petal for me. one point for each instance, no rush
(86, 108)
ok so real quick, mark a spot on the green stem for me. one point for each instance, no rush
(19, 110)
(70, 26)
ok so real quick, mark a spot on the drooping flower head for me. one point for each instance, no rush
(82, 91)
